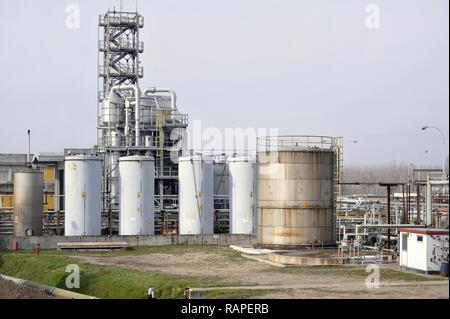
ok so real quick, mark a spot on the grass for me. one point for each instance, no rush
(355, 272)
(122, 282)
(100, 281)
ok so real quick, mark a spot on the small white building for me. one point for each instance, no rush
(423, 249)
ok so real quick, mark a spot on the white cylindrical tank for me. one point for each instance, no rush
(82, 187)
(148, 107)
(242, 194)
(111, 112)
(137, 183)
(115, 139)
(196, 179)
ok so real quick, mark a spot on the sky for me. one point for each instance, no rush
(302, 67)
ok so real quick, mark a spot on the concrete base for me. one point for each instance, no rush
(293, 247)
(51, 242)
(249, 250)
(308, 258)
(420, 271)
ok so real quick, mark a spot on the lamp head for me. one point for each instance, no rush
(424, 128)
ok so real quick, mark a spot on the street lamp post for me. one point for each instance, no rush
(443, 144)
(411, 165)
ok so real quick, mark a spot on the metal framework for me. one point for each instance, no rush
(120, 46)
(157, 129)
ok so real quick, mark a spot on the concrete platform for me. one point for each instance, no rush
(308, 257)
(112, 245)
(250, 250)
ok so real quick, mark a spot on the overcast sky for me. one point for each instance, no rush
(304, 67)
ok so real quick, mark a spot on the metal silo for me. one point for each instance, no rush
(82, 187)
(196, 181)
(137, 183)
(296, 191)
(242, 181)
(28, 203)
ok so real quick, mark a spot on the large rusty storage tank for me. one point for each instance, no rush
(296, 191)
(28, 203)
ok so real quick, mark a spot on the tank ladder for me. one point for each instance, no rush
(338, 145)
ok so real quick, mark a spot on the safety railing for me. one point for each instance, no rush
(121, 70)
(294, 142)
(121, 18)
(120, 45)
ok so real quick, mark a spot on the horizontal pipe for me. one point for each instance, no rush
(357, 227)
(173, 96)
(57, 292)
(438, 182)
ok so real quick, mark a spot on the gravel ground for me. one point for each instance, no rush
(10, 290)
(324, 284)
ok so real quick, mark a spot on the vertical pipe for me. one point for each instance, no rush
(389, 214)
(418, 203)
(127, 121)
(58, 220)
(397, 217)
(429, 212)
(404, 204)
(409, 203)
(28, 153)
(137, 111)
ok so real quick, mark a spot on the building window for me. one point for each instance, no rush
(419, 238)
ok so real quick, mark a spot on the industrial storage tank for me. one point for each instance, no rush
(28, 203)
(242, 181)
(82, 188)
(137, 184)
(296, 191)
(196, 202)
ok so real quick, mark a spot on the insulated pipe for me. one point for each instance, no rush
(57, 292)
(137, 110)
(127, 123)
(173, 96)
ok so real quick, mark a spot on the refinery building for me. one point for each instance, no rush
(141, 182)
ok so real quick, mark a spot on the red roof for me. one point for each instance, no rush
(425, 231)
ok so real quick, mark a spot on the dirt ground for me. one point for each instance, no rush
(10, 290)
(288, 283)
